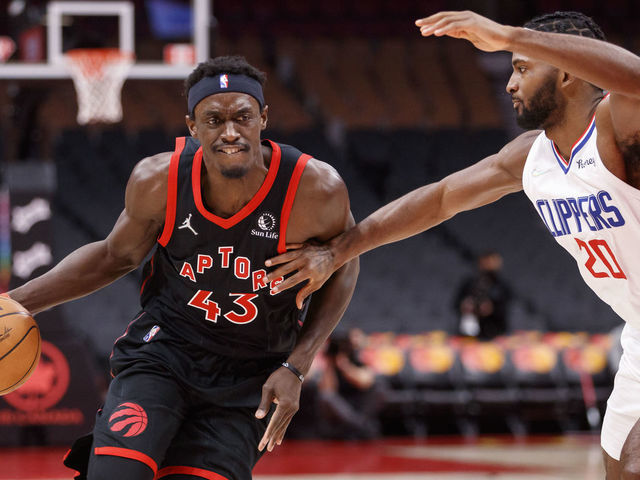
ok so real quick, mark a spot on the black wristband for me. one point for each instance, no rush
(293, 370)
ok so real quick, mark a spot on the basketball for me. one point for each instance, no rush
(19, 345)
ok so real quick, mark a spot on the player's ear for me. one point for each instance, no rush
(191, 125)
(567, 79)
(263, 117)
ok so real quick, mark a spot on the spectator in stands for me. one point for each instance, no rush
(349, 394)
(482, 300)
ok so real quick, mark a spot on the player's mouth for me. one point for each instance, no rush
(231, 149)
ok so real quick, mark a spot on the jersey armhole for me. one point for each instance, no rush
(172, 193)
(288, 201)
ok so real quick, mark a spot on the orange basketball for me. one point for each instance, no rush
(19, 345)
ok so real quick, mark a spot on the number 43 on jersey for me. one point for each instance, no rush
(249, 312)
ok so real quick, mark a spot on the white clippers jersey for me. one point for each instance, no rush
(593, 214)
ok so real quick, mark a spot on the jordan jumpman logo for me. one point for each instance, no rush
(187, 224)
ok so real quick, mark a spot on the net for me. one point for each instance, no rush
(98, 75)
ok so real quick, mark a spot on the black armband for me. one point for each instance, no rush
(293, 370)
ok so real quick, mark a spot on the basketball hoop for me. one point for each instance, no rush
(98, 75)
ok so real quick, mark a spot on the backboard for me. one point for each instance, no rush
(115, 22)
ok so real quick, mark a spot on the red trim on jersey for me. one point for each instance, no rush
(249, 207)
(580, 138)
(193, 471)
(122, 336)
(288, 200)
(128, 453)
(172, 193)
(148, 276)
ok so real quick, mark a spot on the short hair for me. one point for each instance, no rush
(233, 64)
(573, 23)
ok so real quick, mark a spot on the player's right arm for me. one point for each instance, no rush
(417, 211)
(98, 264)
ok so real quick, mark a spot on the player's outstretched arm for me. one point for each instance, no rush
(417, 211)
(598, 62)
(97, 264)
(321, 211)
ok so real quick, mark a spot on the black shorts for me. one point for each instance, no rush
(180, 410)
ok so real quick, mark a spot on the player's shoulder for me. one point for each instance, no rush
(147, 186)
(513, 155)
(322, 181)
(521, 145)
(321, 209)
(151, 169)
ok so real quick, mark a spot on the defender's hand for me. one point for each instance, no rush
(282, 388)
(485, 34)
(314, 263)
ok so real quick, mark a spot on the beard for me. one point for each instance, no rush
(234, 173)
(542, 104)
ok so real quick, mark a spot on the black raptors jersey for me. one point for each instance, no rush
(206, 281)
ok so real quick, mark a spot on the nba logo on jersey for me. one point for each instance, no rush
(151, 333)
(224, 81)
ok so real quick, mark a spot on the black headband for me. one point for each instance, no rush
(222, 84)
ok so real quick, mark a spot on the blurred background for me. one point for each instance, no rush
(479, 319)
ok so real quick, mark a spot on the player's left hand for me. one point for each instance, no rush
(485, 34)
(282, 388)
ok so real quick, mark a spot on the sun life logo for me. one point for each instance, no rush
(267, 224)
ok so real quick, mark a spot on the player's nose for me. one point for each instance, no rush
(230, 133)
(512, 85)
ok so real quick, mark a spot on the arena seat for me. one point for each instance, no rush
(542, 389)
(314, 67)
(472, 85)
(403, 107)
(434, 86)
(488, 374)
(437, 377)
(150, 141)
(522, 382)
(590, 380)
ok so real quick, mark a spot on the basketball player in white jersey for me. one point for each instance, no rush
(581, 170)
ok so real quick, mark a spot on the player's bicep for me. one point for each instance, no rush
(336, 213)
(624, 117)
(477, 185)
(487, 180)
(139, 224)
(131, 239)
(321, 209)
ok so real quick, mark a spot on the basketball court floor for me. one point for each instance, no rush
(497, 458)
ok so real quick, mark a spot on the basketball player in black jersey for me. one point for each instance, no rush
(214, 348)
